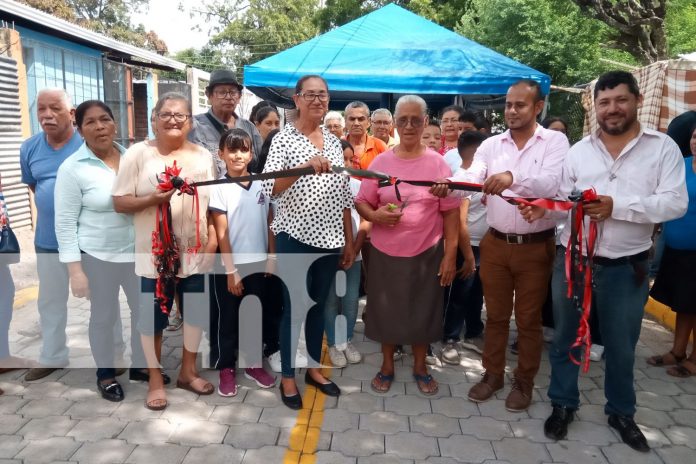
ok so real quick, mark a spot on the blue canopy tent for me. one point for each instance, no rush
(385, 54)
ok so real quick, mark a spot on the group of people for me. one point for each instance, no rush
(308, 245)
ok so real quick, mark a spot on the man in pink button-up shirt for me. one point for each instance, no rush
(516, 256)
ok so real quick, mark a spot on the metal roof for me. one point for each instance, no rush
(23, 14)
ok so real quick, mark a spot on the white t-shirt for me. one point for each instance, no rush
(453, 160)
(476, 218)
(354, 215)
(247, 219)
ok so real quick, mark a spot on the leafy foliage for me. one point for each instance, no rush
(256, 29)
(552, 36)
(108, 17)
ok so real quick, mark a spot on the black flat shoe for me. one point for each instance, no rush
(136, 375)
(292, 402)
(111, 391)
(630, 433)
(556, 426)
(329, 389)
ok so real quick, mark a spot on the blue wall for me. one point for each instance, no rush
(54, 62)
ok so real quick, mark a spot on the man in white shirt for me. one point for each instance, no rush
(639, 176)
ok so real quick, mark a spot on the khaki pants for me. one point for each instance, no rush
(514, 277)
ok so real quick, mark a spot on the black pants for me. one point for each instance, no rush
(224, 313)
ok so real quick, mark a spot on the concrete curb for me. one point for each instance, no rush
(662, 313)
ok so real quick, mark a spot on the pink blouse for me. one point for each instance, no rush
(421, 226)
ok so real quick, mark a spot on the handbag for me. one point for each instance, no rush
(9, 245)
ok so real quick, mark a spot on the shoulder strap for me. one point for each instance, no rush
(216, 124)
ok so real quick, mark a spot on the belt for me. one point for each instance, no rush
(522, 239)
(602, 261)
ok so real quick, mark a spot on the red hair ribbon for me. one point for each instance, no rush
(165, 248)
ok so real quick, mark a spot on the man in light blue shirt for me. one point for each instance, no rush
(40, 156)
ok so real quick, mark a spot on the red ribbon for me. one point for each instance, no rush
(164, 245)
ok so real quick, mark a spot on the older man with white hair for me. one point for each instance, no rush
(40, 156)
(365, 147)
(382, 125)
(335, 123)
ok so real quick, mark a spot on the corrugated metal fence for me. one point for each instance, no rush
(16, 193)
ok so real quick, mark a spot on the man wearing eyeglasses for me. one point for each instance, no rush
(365, 146)
(382, 125)
(223, 92)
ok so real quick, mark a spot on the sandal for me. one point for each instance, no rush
(199, 386)
(155, 396)
(685, 369)
(382, 382)
(667, 359)
(426, 380)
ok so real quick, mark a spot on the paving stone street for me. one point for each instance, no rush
(62, 418)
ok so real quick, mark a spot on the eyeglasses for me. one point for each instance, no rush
(178, 117)
(310, 97)
(381, 123)
(415, 122)
(226, 93)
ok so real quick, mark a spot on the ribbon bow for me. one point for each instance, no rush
(165, 249)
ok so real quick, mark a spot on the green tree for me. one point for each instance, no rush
(108, 17)
(256, 29)
(680, 25)
(552, 36)
(335, 13)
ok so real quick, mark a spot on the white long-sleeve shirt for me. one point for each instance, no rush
(646, 183)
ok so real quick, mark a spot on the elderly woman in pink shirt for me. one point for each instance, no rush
(410, 263)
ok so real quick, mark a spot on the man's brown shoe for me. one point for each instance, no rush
(520, 396)
(483, 390)
(38, 373)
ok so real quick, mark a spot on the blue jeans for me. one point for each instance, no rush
(349, 305)
(7, 293)
(619, 296)
(53, 307)
(463, 303)
(302, 267)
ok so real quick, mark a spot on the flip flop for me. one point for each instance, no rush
(667, 359)
(427, 379)
(199, 386)
(153, 396)
(384, 380)
(686, 368)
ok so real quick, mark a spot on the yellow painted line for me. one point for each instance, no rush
(25, 296)
(662, 313)
(304, 436)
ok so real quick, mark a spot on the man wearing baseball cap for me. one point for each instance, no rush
(224, 93)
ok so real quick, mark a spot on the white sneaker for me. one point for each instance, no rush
(473, 344)
(33, 331)
(300, 360)
(352, 354)
(449, 353)
(274, 361)
(596, 352)
(548, 334)
(338, 359)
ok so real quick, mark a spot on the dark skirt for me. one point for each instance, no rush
(404, 302)
(674, 284)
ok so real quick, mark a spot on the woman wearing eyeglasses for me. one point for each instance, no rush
(311, 224)
(410, 263)
(135, 191)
